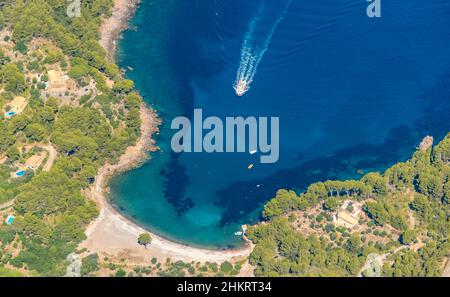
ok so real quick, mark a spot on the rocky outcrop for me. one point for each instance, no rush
(426, 143)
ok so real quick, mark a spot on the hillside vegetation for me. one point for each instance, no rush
(404, 220)
(76, 102)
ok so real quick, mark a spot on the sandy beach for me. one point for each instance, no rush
(112, 234)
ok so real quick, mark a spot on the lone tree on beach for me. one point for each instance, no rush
(144, 239)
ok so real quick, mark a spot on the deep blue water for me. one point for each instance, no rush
(353, 94)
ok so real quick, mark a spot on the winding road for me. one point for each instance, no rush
(52, 154)
(7, 204)
(379, 259)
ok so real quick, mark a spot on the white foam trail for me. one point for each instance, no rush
(256, 42)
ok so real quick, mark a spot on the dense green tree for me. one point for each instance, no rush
(132, 101)
(12, 78)
(354, 243)
(120, 273)
(408, 237)
(377, 182)
(21, 47)
(6, 136)
(284, 201)
(123, 86)
(420, 185)
(332, 203)
(144, 239)
(51, 212)
(89, 265)
(13, 153)
(35, 132)
(226, 267)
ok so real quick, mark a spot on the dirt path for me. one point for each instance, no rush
(246, 270)
(7, 204)
(379, 260)
(51, 157)
(446, 272)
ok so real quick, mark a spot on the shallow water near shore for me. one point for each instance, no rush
(353, 95)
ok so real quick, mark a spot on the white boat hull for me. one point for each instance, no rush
(241, 87)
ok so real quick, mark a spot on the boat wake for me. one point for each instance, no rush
(256, 42)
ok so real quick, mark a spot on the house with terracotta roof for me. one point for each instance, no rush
(345, 217)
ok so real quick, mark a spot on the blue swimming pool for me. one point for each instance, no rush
(10, 113)
(20, 173)
(10, 220)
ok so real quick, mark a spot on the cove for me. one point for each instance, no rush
(353, 94)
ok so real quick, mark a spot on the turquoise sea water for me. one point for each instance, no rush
(353, 94)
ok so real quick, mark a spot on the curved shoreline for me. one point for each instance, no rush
(131, 221)
(111, 233)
